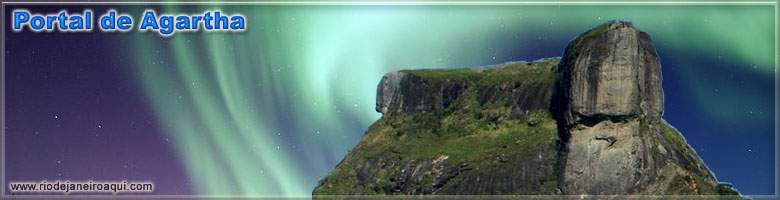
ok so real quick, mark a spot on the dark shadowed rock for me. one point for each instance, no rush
(403, 92)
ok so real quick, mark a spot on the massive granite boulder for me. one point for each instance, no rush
(587, 123)
(610, 106)
(611, 72)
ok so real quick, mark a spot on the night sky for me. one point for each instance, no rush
(273, 109)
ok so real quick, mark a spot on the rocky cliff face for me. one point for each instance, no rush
(610, 106)
(589, 123)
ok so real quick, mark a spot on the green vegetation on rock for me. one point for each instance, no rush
(476, 137)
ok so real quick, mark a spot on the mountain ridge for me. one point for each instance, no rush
(586, 123)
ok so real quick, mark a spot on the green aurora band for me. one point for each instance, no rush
(269, 110)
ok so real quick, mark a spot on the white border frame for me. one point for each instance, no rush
(376, 3)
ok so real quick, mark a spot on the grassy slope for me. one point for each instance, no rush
(679, 178)
(463, 131)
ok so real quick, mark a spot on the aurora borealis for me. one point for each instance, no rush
(271, 110)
